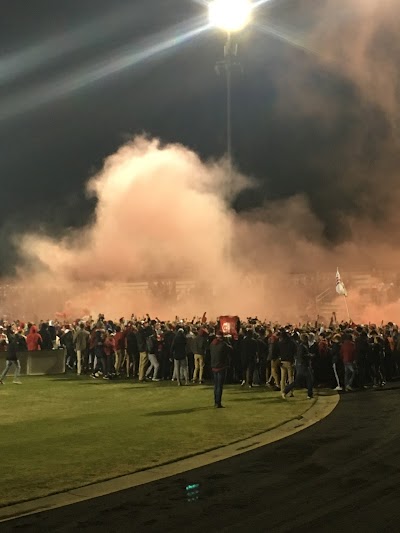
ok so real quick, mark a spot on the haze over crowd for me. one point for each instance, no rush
(164, 212)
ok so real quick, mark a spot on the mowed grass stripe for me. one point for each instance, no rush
(62, 433)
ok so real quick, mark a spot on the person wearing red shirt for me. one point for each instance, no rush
(33, 339)
(109, 350)
(120, 348)
(348, 355)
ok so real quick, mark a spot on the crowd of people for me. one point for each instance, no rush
(343, 356)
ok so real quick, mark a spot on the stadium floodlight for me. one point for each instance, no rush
(230, 15)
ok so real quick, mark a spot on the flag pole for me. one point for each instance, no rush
(341, 289)
(347, 307)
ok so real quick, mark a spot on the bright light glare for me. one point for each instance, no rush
(230, 15)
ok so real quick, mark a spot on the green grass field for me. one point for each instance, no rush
(59, 433)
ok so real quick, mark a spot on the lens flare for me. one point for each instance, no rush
(230, 15)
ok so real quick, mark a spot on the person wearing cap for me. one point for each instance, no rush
(219, 351)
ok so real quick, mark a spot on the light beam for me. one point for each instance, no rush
(79, 79)
(38, 55)
(285, 36)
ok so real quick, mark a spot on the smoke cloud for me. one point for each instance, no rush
(164, 215)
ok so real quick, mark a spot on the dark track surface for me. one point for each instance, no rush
(340, 475)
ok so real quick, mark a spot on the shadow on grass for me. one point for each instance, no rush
(84, 380)
(178, 411)
(252, 392)
(72, 378)
(256, 399)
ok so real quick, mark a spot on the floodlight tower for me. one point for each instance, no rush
(231, 16)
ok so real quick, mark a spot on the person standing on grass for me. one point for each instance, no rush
(219, 351)
(178, 350)
(348, 354)
(287, 352)
(120, 348)
(47, 343)
(67, 340)
(143, 357)
(132, 351)
(3, 340)
(200, 348)
(303, 369)
(109, 353)
(336, 359)
(273, 362)
(12, 359)
(152, 351)
(33, 339)
(249, 356)
(99, 353)
(81, 340)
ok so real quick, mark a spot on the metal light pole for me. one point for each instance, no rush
(228, 55)
(231, 16)
(227, 65)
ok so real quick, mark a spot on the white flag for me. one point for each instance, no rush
(340, 288)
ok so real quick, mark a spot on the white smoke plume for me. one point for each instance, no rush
(162, 214)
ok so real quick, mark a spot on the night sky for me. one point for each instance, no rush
(296, 114)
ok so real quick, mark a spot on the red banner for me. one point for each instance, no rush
(229, 325)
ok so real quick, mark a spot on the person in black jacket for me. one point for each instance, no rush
(132, 351)
(21, 342)
(262, 354)
(67, 340)
(249, 355)
(47, 343)
(219, 351)
(166, 354)
(273, 362)
(100, 369)
(362, 351)
(303, 369)
(377, 357)
(12, 358)
(336, 360)
(200, 343)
